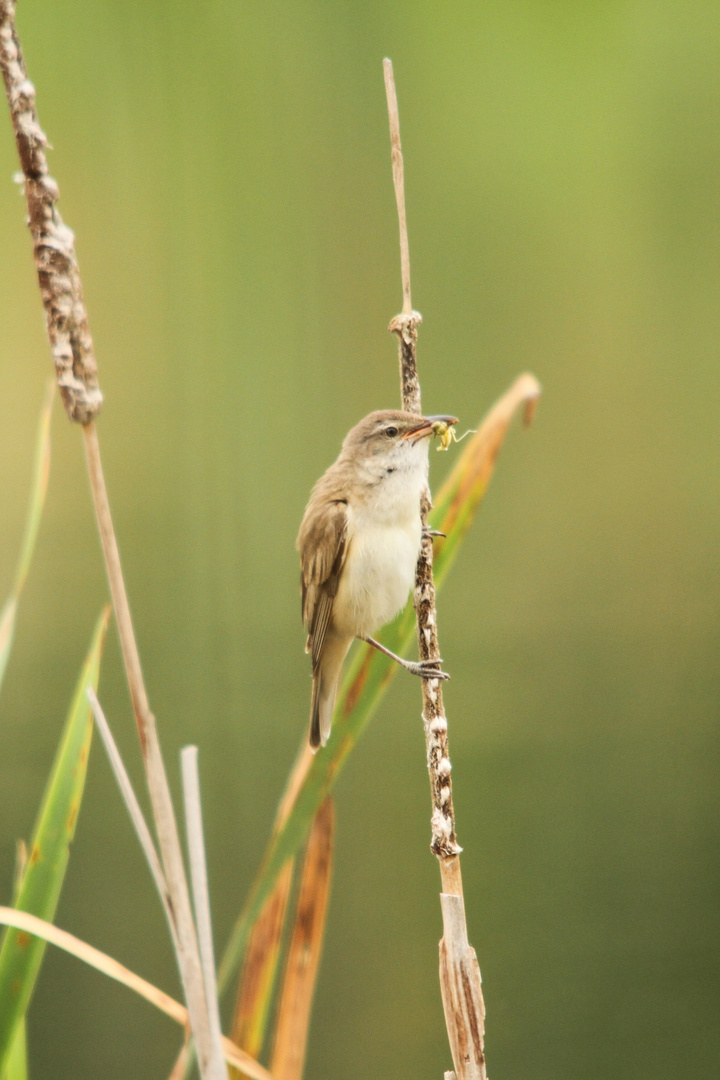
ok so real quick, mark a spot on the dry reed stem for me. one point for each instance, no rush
(461, 990)
(201, 892)
(163, 813)
(460, 983)
(133, 806)
(398, 181)
(76, 370)
(293, 1016)
(404, 325)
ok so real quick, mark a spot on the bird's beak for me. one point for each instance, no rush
(430, 425)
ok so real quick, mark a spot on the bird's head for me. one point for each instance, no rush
(392, 436)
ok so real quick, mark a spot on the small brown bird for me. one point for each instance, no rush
(359, 543)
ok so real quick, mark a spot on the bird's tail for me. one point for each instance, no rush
(321, 710)
(324, 688)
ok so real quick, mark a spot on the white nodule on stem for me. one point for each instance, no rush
(441, 825)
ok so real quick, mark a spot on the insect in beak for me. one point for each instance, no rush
(443, 429)
(434, 425)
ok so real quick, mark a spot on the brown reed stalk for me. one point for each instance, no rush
(76, 370)
(460, 982)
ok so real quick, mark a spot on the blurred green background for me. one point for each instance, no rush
(226, 169)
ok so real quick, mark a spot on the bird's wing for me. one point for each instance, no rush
(323, 544)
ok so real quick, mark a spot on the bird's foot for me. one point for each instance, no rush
(434, 532)
(426, 669)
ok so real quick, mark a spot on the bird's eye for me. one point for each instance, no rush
(391, 432)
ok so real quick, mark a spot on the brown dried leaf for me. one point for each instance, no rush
(293, 1017)
(259, 968)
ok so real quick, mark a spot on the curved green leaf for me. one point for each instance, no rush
(21, 953)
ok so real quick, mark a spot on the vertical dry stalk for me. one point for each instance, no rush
(76, 369)
(459, 971)
(201, 895)
(398, 170)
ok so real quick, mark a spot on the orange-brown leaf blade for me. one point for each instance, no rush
(293, 1017)
(259, 968)
(458, 498)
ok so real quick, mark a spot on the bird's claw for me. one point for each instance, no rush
(429, 669)
(434, 532)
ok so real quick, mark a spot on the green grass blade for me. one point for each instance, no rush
(21, 953)
(17, 1061)
(38, 489)
(370, 672)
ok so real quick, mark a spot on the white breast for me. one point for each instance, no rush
(384, 543)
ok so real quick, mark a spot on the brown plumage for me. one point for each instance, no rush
(359, 542)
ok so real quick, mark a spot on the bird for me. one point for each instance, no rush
(359, 543)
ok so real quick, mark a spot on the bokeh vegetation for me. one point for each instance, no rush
(226, 171)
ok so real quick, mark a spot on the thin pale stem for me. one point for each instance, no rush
(131, 657)
(406, 323)
(459, 972)
(398, 181)
(133, 806)
(201, 893)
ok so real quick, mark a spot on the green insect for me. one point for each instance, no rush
(445, 432)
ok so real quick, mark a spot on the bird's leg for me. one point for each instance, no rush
(426, 669)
